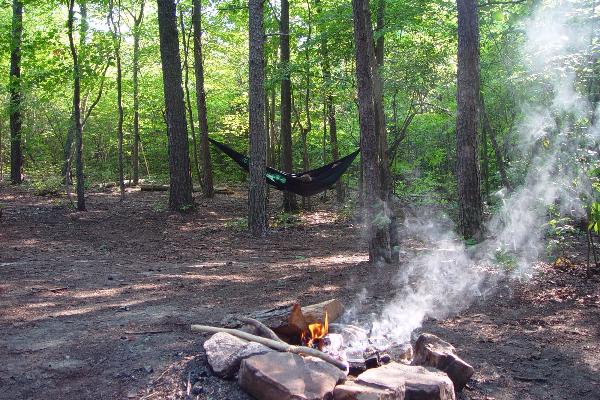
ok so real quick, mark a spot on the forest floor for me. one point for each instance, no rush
(97, 305)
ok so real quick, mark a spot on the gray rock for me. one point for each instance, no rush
(286, 376)
(420, 383)
(357, 391)
(197, 388)
(432, 351)
(401, 352)
(225, 352)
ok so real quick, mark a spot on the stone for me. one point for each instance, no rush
(197, 388)
(432, 351)
(401, 352)
(287, 376)
(356, 391)
(420, 383)
(225, 352)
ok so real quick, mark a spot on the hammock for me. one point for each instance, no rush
(306, 183)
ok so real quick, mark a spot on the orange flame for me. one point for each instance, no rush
(317, 331)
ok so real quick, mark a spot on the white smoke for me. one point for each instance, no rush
(553, 134)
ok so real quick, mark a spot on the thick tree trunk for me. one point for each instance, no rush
(188, 102)
(180, 194)
(488, 131)
(137, 23)
(16, 152)
(77, 114)
(257, 195)
(116, 33)
(377, 233)
(467, 164)
(289, 200)
(207, 174)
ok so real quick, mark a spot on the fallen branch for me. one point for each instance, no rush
(274, 344)
(261, 328)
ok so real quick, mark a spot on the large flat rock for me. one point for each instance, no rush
(225, 352)
(356, 391)
(432, 351)
(420, 383)
(286, 376)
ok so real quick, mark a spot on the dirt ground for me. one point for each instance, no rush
(97, 305)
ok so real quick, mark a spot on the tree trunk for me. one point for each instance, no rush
(306, 203)
(487, 130)
(180, 194)
(136, 98)
(188, 102)
(467, 164)
(257, 195)
(16, 152)
(275, 143)
(377, 234)
(77, 114)
(377, 60)
(207, 174)
(116, 33)
(68, 146)
(289, 200)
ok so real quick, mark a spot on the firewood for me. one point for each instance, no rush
(261, 329)
(274, 344)
(316, 312)
(286, 320)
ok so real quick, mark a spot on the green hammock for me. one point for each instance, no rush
(306, 183)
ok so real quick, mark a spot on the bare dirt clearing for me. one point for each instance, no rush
(98, 304)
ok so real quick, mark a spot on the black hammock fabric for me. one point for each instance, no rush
(306, 183)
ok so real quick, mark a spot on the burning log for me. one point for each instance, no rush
(287, 320)
(274, 344)
(315, 313)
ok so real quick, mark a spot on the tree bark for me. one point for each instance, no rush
(467, 163)
(377, 60)
(180, 194)
(377, 233)
(16, 152)
(207, 174)
(289, 200)
(116, 33)
(76, 120)
(188, 102)
(137, 23)
(257, 195)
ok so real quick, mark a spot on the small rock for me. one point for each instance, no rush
(420, 383)
(148, 369)
(357, 391)
(225, 352)
(432, 351)
(197, 388)
(286, 376)
(401, 352)
(110, 278)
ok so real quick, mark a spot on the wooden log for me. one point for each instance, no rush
(286, 320)
(316, 312)
(154, 188)
(274, 344)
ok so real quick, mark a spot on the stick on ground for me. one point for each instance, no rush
(274, 344)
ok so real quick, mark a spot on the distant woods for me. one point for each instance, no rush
(131, 90)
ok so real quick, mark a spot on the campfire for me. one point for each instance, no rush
(315, 334)
(275, 354)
